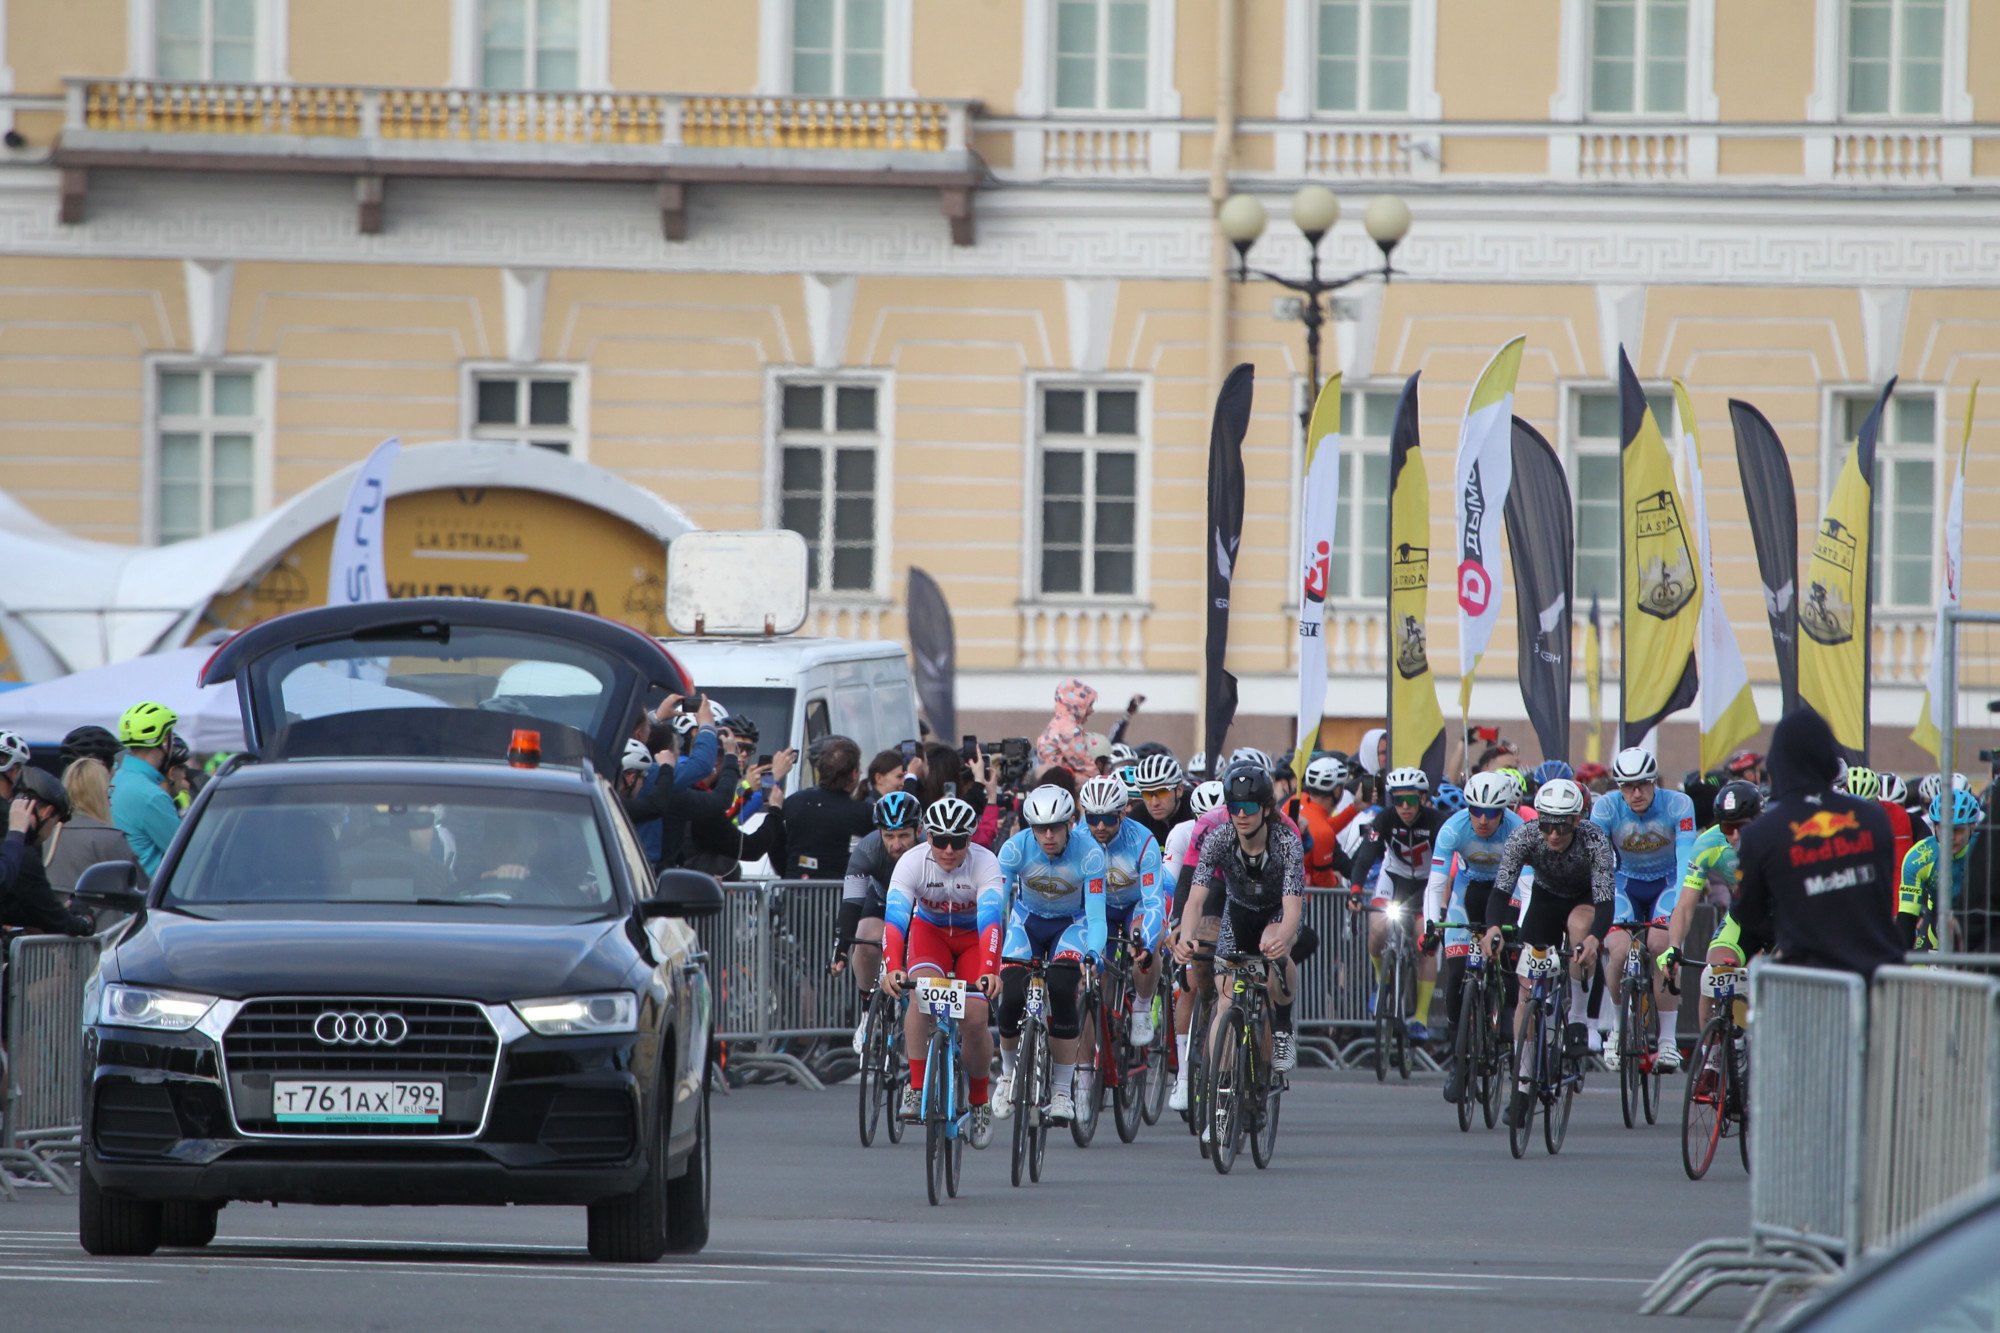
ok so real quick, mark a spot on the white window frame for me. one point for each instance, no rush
(882, 441)
(262, 434)
(774, 48)
(593, 56)
(1571, 101)
(1894, 112)
(1641, 52)
(272, 48)
(1141, 444)
(1036, 96)
(1419, 10)
(1834, 442)
(1827, 103)
(576, 372)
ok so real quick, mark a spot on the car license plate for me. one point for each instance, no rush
(379, 1101)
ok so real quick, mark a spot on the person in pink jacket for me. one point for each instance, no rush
(1063, 741)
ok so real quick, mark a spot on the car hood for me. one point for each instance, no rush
(473, 960)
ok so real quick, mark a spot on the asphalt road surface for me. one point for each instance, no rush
(1377, 1213)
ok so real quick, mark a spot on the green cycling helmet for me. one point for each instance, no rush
(145, 724)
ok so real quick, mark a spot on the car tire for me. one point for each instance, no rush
(688, 1195)
(108, 1224)
(188, 1226)
(631, 1229)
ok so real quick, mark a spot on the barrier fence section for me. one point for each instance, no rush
(768, 952)
(1808, 1051)
(42, 1115)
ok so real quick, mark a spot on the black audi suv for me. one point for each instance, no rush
(408, 951)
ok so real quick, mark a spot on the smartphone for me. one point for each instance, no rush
(968, 748)
(767, 782)
(764, 759)
(692, 704)
(909, 749)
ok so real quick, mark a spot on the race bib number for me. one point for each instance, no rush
(1038, 1000)
(1716, 982)
(946, 999)
(1540, 962)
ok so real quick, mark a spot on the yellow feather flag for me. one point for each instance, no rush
(1661, 603)
(1834, 612)
(1416, 723)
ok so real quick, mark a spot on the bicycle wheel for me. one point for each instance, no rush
(1739, 1094)
(1703, 1101)
(1159, 1060)
(1228, 1092)
(1024, 1099)
(1655, 1035)
(961, 1086)
(1197, 1061)
(895, 1072)
(874, 1055)
(1264, 1126)
(1087, 1089)
(1531, 1047)
(1493, 1069)
(1631, 1047)
(1406, 990)
(1555, 1120)
(1128, 1094)
(1384, 1038)
(1039, 1132)
(1465, 1052)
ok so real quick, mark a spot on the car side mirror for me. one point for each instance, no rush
(683, 893)
(110, 884)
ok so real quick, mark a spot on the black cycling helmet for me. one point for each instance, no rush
(90, 743)
(1738, 802)
(743, 727)
(1249, 781)
(896, 810)
(44, 787)
(177, 751)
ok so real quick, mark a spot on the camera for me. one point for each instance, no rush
(1013, 755)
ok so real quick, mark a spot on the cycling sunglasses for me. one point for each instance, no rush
(955, 842)
(1150, 792)
(1245, 807)
(1112, 820)
(1556, 825)
(1407, 798)
(1487, 811)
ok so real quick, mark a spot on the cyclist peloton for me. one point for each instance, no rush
(1400, 838)
(1652, 834)
(1474, 838)
(1572, 900)
(1713, 871)
(864, 893)
(942, 915)
(1135, 898)
(1055, 896)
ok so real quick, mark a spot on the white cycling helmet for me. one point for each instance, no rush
(1635, 765)
(1157, 771)
(13, 752)
(685, 724)
(1197, 765)
(1894, 790)
(953, 818)
(1559, 798)
(1325, 774)
(637, 758)
(1048, 804)
(1122, 754)
(1205, 798)
(1103, 796)
(1409, 779)
(1489, 791)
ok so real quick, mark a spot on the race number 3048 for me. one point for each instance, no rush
(944, 998)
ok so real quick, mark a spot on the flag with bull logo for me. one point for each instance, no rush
(1541, 537)
(1662, 591)
(1926, 733)
(1416, 723)
(1834, 609)
(1481, 480)
(1728, 711)
(1319, 517)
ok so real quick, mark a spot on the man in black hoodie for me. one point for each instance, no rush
(1819, 871)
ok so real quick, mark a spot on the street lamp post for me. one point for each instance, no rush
(1314, 211)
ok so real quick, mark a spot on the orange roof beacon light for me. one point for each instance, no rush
(526, 749)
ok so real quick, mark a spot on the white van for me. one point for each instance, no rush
(799, 689)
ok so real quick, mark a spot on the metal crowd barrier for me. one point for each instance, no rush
(767, 962)
(41, 1118)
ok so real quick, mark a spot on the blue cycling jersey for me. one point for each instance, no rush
(1479, 858)
(1134, 885)
(1070, 885)
(1655, 845)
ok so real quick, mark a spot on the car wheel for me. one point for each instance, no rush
(687, 1196)
(107, 1224)
(631, 1229)
(188, 1226)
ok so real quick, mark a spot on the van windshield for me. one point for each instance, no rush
(770, 709)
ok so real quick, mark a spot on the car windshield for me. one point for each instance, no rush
(394, 843)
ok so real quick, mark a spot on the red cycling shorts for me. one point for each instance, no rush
(952, 952)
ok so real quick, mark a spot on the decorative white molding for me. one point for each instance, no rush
(6, 74)
(465, 43)
(524, 295)
(1885, 314)
(1355, 339)
(1091, 304)
(208, 287)
(829, 314)
(1621, 322)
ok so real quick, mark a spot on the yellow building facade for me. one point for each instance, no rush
(934, 282)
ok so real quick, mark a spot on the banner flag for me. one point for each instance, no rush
(1481, 482)
(1834, 612)
(1926, 733)
(1728, 710)
(1225, 531)
(1593, 684)
(1319, 518)
(933, 653)
(1661, 598)
(1541, 538)
(1765, 474)
(359, 572)
(1416, 723)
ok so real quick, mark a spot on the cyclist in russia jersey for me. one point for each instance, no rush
(1652, 846)
(943, 913)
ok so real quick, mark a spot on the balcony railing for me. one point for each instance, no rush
(1083, 636)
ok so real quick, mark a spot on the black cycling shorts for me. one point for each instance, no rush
(1546, 921)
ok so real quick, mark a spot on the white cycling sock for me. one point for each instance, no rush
(1007, 1059)
(1181, 1047)
(1578, 997)
(1061, 1076)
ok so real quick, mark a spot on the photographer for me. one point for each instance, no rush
(823, 823)
(40, 806)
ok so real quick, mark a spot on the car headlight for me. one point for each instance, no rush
(580, 1015)
(165, 1010)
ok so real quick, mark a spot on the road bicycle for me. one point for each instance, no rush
(1716, 1103)
(1201, 1011)
(1031, 1075)
(1106, 1051)
(1395, 992)
(1244, 1091)
(1550, 1063)
(884, 1068)
(1639, 1033)
(1162, 1059)
(945, 1106)
(1482, 1044)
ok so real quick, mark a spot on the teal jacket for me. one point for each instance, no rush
(143, 811)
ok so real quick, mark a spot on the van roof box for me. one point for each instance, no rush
(737, 583)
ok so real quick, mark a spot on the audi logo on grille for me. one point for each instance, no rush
(356, 1029)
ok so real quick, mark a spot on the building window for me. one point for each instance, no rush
(205, 39)
(530, 44)
(1089, 476)
(1596, 478)
(1895, 57)
(828, 480)
(1901, 556)
(536, 408)
(1363, 56)
(1360, 566)
(1639, 56)
(1101, 55)
(207, 424)
(838, 47)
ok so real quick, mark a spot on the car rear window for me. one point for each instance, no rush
(395, 843)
